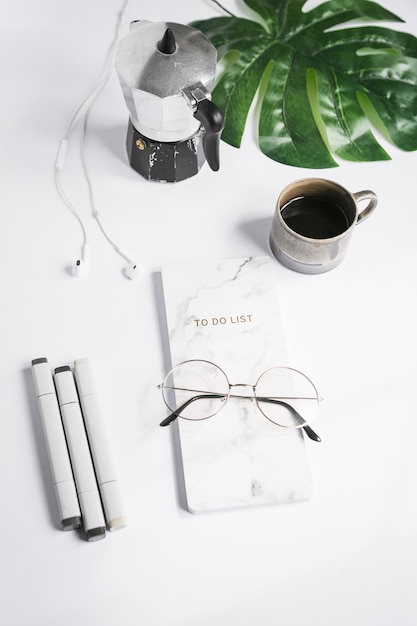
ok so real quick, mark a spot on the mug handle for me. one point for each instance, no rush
(365, 195)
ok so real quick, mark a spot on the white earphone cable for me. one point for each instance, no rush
(83, 109)
(96, 213)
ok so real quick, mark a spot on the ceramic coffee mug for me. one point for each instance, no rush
(313, 222)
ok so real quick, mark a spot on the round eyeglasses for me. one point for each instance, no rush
(198, 389)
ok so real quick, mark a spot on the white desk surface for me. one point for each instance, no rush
(348, 556)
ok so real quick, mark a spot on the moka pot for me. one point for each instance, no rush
(166, 71)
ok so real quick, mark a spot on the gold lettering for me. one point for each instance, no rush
(216, 321)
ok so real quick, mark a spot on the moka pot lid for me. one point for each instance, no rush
(163, 58)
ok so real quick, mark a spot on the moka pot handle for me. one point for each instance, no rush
(212, 120)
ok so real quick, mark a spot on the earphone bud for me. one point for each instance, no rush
(81, 265)
(133, 271)
(78, 269)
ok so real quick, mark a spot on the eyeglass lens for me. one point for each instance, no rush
(200, 387)
(287, 397)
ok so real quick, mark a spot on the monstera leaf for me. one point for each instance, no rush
(323, 86)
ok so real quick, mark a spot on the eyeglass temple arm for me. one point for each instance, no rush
(171, 418)
(307, 429)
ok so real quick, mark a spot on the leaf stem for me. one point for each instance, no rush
(223, 8)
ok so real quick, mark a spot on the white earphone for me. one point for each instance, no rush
(133, 270)
(81, 265)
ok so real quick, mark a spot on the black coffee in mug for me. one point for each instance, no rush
(313, 223)
(316, 217)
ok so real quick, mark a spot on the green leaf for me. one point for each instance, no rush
(323, 86)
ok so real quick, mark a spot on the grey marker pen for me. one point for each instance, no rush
(82, 464)
(66, 495)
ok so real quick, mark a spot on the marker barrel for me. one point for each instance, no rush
(99, 444)
(59, 460)
(85, 480)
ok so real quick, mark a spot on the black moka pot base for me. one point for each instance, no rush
(163, 161)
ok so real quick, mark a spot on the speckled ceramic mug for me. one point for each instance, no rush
(313, 222)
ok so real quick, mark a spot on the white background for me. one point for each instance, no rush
(348, 556)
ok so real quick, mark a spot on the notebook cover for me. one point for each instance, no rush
(226, 311)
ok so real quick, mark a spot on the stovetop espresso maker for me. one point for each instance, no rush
(166, 71)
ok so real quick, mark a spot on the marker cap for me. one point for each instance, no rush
(68, 503)
(42, 377)
(67, 392)
(92, 516)
(113, 505)
(86, 380)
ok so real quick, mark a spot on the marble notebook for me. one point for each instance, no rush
(226, 311)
